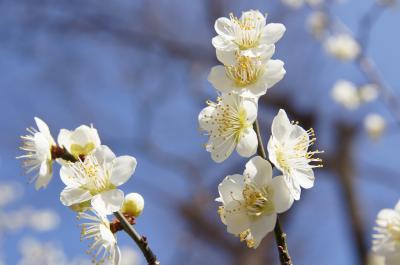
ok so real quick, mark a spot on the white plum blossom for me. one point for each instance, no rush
(375, 125)
(38, 144)
(247, 76)
(79, 142)
(295, 4)
(342, 46)
(345, 93)
(288, 151)
(104, 247)
(386, 241)
(369, 92)
(249, 34)
(229, 125)
(252, 201)
(96, 179)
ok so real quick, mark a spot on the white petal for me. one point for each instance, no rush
(282, 199)
(72, 195)
(104, 154)
(293, 186)
(108, 202)
(305, 177)
(397, 207)
(236, 218)
(117, 257)
(231, 187)
(273, 32)
(67, 176)
(219, 79)
(248, 143)
(258, 170)
(45, 175)
(222, 43)
(122, 169)
(227, 57)
(43, 128)
(273, 74)
(250, 105)
(221, 147)
(263, 51)
(63, 138)
(281, 126)
(261, 226)
(205, 118)
(223, 26)
(84, 135)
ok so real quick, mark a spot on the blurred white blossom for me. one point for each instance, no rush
(96, 180)
(288, 151)
(386, 240)
(375, 125)
(345, 93)
(374, 259)
(9, 192)
(317, 22)
(299, 3)
(229, 124)
(369, 92)
(342, 46)
(252, 201)
(35, 252)
(37, 145)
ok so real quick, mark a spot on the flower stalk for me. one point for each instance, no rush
(280, 235)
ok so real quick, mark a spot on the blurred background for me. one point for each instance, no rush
(137, 70)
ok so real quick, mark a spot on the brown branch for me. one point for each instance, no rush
(141, 241)
(280, 236)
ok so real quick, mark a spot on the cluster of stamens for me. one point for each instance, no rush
(246, 236)
(246, 71)
(258, 201)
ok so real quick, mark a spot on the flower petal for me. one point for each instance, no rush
(274, 72)
(236, 217)
(223, 27)
(72, 195)
(226, 57)
(272, 33)
(231, 187)
(282, 198)
(305, 177)
(108, 202)
(221, 147)
(122, 169)
(248, 143)
(205, 118)
(281, 126)
(261, 226)
(67, 176)
(63, 138)
(219, 79)
(259, 171)
(251, 107)
(293, 186)
(104, 154)
(45, 175)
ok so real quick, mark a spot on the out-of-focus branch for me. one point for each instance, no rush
(345, 170)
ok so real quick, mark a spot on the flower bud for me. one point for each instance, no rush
(133, 204)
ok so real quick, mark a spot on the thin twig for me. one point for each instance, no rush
(139, 240)
(280, 236)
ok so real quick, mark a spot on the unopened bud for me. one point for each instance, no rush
(133, 204)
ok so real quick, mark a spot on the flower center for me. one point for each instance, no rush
(247, 31)
(258, 201)
(231, 120)
(92, 176)
(77, 150)
(293, 157)
(246, 71)
(246, 236)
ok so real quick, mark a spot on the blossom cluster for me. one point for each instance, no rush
(251, 201)
(91, 173)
